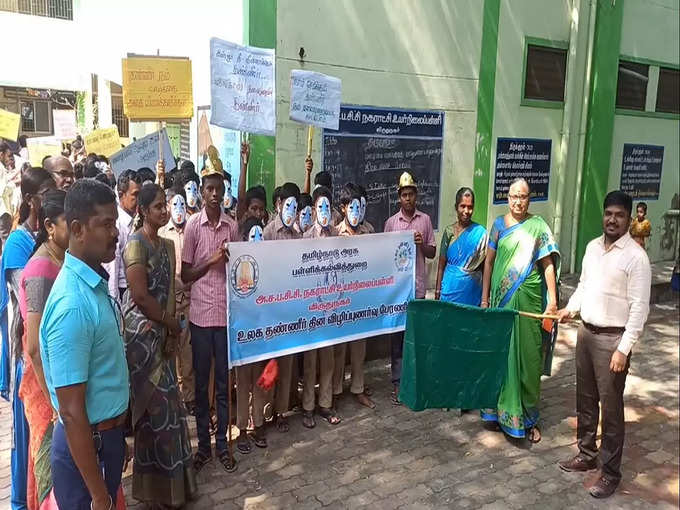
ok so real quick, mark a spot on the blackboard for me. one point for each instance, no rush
(528, 158)
(374, 146)
(641, 170)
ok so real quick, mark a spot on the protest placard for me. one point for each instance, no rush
(157, 88)
(310, 293)
(103, 141)
(143, 153)
(9, 125)
(315, 99)
(41, 147)
(64, 122)
(242, 87)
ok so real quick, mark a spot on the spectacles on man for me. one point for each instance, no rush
(518, 198)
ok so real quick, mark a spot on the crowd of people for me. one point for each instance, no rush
(117, 291)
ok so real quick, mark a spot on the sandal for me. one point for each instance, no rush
(282, 424)
(364, 400)
(308, 419)
(329, 415)
(395, 398)
(258, 437)
(243, 443)
(534, 434)
(228, 461)
(368, 391)
(200, 460)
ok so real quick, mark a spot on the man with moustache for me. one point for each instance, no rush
(62, 171)
(83, 354)
(612, 298)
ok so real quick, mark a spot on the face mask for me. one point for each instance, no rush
(191, 190)
(289, 211)
(353, 212)
(362, 209)
(305, 218)
(323, 212)
(255, 234)
(178, 210)
(228, 199)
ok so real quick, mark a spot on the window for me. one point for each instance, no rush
(668, 92)
(631, 88)
(60, 9)
(546, 69)
(117, 115)
(35, 116)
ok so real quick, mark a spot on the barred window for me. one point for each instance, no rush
(546, 69)
(60, 9)
(631, 88)
(668, 91)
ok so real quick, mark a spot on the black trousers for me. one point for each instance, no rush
(597, 386)
(207, 343)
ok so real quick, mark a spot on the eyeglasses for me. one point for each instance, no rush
(520, 198)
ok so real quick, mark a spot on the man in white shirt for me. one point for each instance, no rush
(613, 300)
(128, 187)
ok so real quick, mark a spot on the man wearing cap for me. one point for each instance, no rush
(410, 218)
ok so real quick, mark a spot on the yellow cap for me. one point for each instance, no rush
(213, 163)
(406, 181)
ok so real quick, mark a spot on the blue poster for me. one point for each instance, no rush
(312, 293)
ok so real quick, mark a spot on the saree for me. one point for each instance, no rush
(162, 468)
(461, 281)
(517, 283)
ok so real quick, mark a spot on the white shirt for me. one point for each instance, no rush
(116, 268)
(614, 288)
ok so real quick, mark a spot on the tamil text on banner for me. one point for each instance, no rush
(64, 122)
(9, 125)
(455, 356)
(143, 153)
(103, 142)
(315, 99)
(242, 87)
(157, 88)
(298, 295)
(41, 147)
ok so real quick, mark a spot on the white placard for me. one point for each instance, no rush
(143, 153)
(242, 87)
(315, 99)
(64, 124)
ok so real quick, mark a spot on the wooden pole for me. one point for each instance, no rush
(310, 139)
(538, 316)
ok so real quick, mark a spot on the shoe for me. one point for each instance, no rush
(578, 463)
(603, 487)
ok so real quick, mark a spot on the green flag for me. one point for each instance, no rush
(455, 356)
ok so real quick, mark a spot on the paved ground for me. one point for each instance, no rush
(394, 458)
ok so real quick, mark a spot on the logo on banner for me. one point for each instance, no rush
(403, 257)
(244, 276)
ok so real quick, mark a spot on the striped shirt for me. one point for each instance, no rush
(208, 307)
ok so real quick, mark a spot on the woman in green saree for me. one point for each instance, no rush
(163, 475)
(521, 272)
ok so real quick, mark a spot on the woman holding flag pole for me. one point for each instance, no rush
(521, 272)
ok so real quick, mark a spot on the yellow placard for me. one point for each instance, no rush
(157, 88)
(9, 125)
(40, 147)
(103, 141)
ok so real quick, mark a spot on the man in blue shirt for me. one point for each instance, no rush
(81, 346)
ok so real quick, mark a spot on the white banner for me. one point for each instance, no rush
(64, 124)
(242, 87)
(315, 99)
(143, 153)
(295, 295)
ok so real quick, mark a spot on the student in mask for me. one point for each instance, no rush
(305, 214)
(246, 375)
(174, 231)
(228, 202)
(322, 227)
(280, 228)
(191, 183)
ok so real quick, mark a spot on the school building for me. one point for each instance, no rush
(582, 95)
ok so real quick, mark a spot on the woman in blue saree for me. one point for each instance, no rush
(461, 253)
(520, 273)
(15, 254)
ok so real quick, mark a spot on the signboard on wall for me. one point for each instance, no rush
(528, 158)
(641, 170)
(314, 98)
(374, 146)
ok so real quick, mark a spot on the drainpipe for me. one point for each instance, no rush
(582, 135)
(566, 117)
